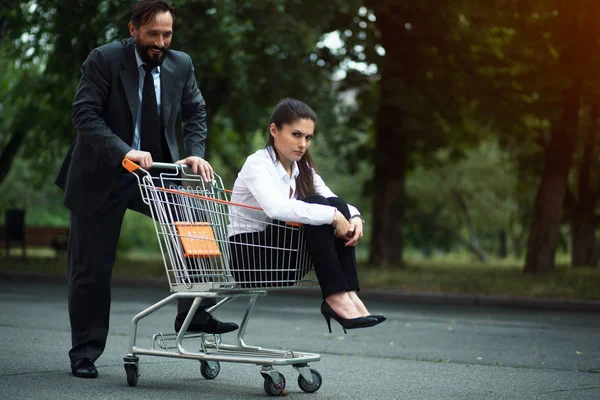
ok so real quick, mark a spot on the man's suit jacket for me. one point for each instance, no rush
(104, 113)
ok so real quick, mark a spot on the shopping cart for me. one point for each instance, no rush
(193, 219)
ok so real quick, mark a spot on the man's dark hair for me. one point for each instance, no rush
(143, 11)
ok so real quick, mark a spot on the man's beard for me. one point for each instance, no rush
(154, 60)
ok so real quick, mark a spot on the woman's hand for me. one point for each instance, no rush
(355, 231)
(341, 225)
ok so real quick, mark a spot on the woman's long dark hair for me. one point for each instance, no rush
(288, 111)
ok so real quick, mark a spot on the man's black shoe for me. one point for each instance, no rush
(84, 368)
(206, 323)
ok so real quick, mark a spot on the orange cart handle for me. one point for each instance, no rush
(132, 166)
(129, 165)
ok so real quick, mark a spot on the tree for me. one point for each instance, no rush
(417, 47)
(44, 46)
(468, 198)
(575, 32)
(246, 58)
(532, 55)
(582, 197)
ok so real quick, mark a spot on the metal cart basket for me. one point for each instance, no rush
(193, 220)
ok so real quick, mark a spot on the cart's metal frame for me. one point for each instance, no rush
(185, 283)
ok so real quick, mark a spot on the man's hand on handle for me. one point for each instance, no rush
(199, 166)
(141, 158)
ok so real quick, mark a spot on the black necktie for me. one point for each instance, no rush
(150, 124)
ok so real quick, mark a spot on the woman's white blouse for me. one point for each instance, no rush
(263, 182)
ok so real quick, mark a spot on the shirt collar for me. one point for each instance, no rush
(139, 61)
(282, 172)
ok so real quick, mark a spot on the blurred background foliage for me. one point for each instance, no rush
(456, 126)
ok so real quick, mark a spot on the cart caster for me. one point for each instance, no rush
(132, 374)
(274, 389)
(210, 369)
(310, 387)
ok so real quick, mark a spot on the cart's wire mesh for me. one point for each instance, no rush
(193, 220)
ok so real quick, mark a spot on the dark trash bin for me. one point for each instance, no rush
(15, 229)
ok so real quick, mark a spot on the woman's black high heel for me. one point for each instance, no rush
(379, 318)
(352, 323)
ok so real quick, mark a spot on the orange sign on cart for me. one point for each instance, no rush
(198, 239)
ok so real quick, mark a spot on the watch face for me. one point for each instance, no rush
(358, 216)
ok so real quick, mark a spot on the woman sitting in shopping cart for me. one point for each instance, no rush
(281, 180)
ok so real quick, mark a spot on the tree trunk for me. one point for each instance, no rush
(473, 240)
(9, 153)
(517, 248)
(427, 250)
(584, 251)
(427, 232)
(391, 145)
(502, 244)
(387, 240)
(548, 206)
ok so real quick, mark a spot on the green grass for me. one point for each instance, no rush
(44, 261)
(486, 279)
(439, 276)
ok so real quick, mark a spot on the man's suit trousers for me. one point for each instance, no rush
(92, 248)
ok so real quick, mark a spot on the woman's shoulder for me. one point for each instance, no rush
(259, 159)
(261, 156)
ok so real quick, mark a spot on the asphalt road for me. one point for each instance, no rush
(423, 351)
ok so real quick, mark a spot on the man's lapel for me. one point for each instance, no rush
(130, 79)
(167, 87)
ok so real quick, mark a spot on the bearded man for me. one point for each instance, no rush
(127, 103)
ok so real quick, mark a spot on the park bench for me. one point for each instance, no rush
(37, 237)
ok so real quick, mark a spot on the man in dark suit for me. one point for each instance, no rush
(126, 105)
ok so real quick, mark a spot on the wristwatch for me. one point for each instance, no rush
(359, 216)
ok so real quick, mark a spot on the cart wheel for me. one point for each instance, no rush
(132, 374)
(310, 387)
(273, 389)
(210, 369)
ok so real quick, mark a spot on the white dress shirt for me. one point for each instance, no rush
(142, 75)
(263, 182)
